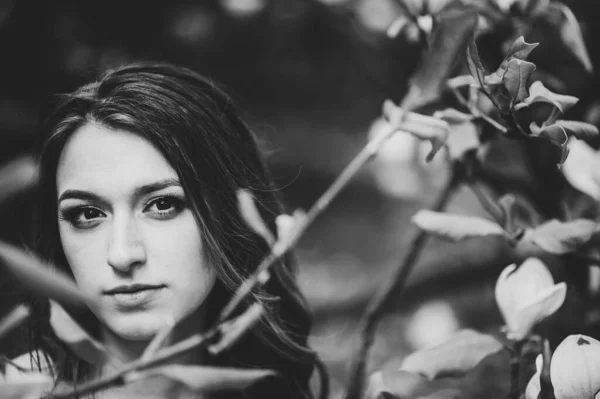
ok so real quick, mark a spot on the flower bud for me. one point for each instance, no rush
(527, 295)
(574, 368)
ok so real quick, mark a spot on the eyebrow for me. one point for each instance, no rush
(138, 192)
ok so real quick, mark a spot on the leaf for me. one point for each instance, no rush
(519, 50)
(79, 341)
(201, 379)
(507, 204)
(501, 97)
(452, 116)
(581, 130)
(539, 93)
(462, 352)
(463, 138)
(454, 26)
(516, 78)
(533, 7)
(25, 385)
(42, 278)
(16, 317)
(423, 127)
(455, 227)
(252, 216)
(556, 135)
(474, 62)
(571, 35)
(562, 237)
(578, 168)
(489, 379)
(460, 81)
(397, 26)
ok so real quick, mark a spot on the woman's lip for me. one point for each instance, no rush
(131, 289)
(132, 300)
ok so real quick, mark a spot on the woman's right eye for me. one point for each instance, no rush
(82, 217)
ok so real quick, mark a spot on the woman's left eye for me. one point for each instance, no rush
(165, 207)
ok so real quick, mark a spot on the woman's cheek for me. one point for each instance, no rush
(83, 253)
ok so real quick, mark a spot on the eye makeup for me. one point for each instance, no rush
(85, 216)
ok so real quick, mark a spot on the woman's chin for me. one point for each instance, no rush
(135, 327)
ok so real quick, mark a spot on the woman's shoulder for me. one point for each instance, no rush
(35, 361)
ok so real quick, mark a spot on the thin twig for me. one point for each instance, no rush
(162, 356)
(485, 202)
(477, 113)
(378, 305)
(515, 359)
(546, 388)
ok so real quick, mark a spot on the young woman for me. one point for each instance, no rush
(139, 173)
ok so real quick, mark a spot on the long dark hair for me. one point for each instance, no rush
(194, 124)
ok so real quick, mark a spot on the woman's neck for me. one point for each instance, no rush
(124, 351)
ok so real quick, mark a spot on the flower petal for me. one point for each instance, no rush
(518, 286)
(574, 368)
(533, 387)
(579, 166)
(503, 293)
(537, 310)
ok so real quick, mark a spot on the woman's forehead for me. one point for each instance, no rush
(98, 158)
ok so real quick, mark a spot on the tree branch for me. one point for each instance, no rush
(379, 304)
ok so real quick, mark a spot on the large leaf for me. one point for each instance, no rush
(490, 379)
(25, 385)
(571, 35)
(41, 278)
(75, 337)
(516, 78)
(454, 26)
(201, 379)
(455, 227)
(463, 351)
(562, 237)
(13, 319)
(581, 130)
(539, 93)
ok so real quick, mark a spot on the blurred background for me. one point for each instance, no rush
(311, 76)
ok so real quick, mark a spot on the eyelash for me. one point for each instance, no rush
(71, 215)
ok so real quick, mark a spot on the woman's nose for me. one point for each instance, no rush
(126, 248)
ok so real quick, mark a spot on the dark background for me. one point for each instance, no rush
(311, 77)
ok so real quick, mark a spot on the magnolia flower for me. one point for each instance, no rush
(533, 387)
(582, 168)
(527, 295)
(574, 368)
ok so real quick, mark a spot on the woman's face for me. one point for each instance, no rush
(128, 233)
